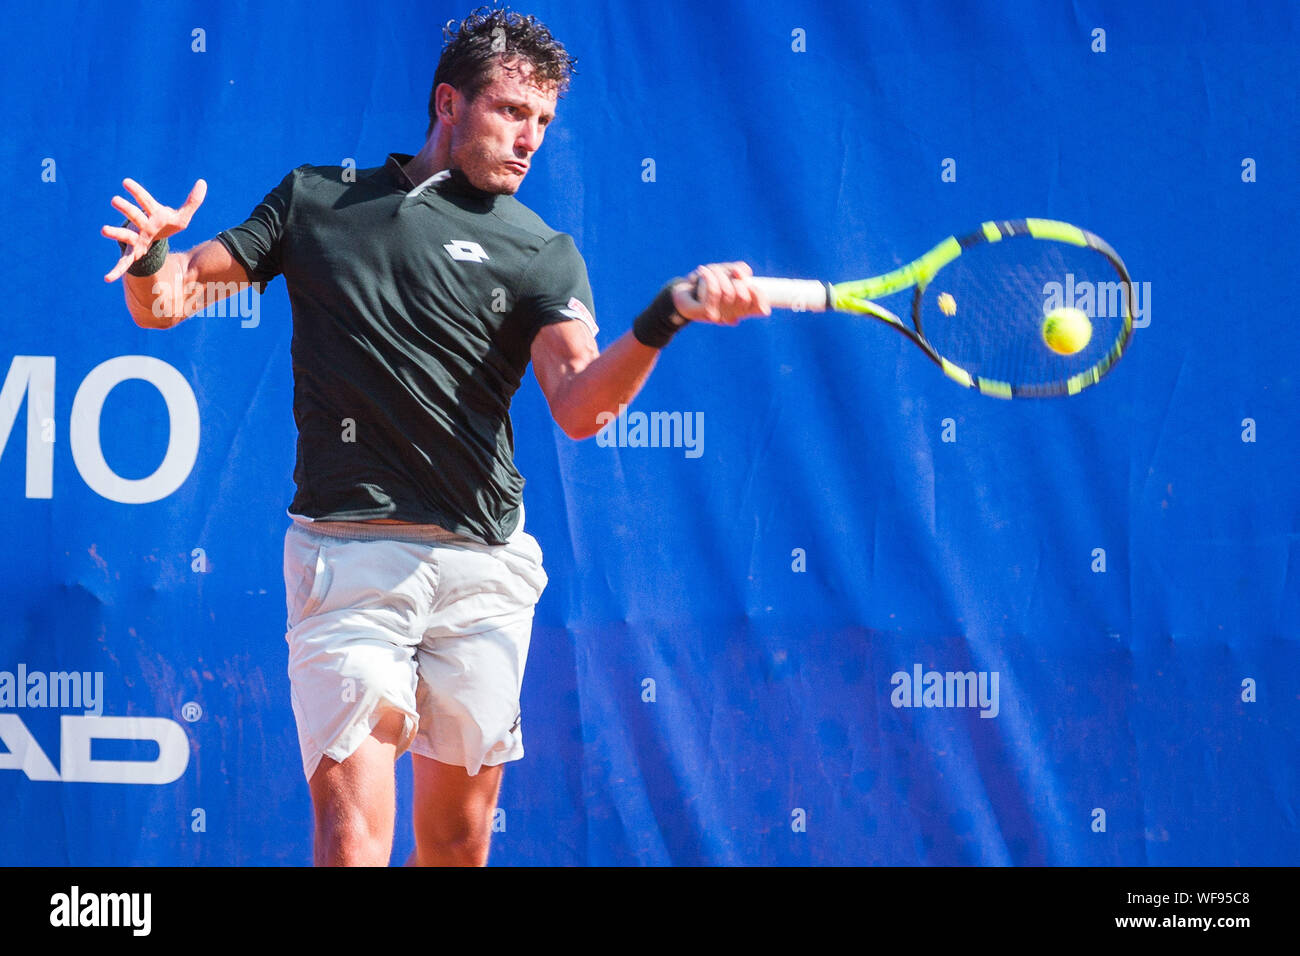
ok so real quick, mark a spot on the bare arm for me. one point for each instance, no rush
(580, 382)
(188, 282)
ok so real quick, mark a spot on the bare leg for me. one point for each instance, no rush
(453, 813)
(356, 802)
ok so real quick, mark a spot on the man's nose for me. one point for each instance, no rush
(530, 136)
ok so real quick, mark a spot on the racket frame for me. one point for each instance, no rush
(858, 297)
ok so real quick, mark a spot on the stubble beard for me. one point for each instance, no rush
(483, 169)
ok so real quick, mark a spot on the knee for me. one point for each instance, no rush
(462, 843)
(347, 837)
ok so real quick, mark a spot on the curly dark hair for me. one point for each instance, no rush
(489, 37)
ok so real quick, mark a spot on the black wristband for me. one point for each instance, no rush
(151, 261)
(659, 322)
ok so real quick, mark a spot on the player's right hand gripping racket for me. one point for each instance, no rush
(979, 304)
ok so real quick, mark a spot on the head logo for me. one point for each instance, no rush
(77, 762)
(462, 250)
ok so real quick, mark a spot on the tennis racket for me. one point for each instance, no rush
(979, 303)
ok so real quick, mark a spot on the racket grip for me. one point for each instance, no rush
(798, 295)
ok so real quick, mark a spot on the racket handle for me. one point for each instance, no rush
(798, 295)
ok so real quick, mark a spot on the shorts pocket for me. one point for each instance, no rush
(307, 577)
(523, 555)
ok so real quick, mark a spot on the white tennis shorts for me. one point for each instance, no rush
(436, 630)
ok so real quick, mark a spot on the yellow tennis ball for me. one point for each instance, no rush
(947, 304)
(1066, 330)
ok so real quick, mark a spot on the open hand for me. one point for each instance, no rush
(152, 221)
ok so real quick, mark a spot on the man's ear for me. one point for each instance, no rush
(448, 103)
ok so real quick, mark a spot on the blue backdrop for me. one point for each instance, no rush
(719, 664)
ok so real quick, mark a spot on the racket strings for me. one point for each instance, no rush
(999, 294)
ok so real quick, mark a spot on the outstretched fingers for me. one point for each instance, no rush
(130, 211)
(192, 203)
(122, 265)
(142, 196)
(152, 221)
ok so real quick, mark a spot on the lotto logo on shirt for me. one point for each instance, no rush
(462, 250)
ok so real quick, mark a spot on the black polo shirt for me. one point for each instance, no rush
(414, 310)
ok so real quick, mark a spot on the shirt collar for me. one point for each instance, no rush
(393, 166)
(448, 179)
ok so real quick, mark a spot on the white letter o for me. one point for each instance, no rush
(182, 438)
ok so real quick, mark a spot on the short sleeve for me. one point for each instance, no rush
(256, 242)
(556, 288)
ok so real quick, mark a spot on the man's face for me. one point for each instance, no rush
(494, 139)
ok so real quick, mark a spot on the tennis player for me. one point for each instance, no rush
(420, 291)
